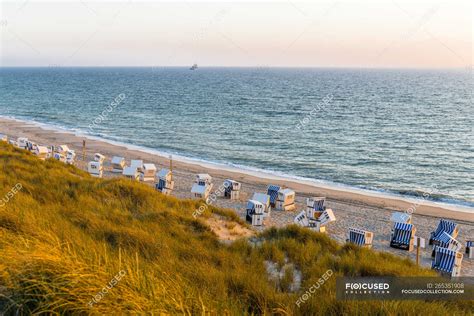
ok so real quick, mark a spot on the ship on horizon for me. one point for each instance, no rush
(193, 67)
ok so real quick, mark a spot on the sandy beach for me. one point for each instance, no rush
(353, 208)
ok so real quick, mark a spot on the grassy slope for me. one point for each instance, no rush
(65, 235)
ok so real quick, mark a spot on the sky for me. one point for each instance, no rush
(287, 33)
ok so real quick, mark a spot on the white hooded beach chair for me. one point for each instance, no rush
(326, 217)
(95, 169)
(70, 156)
(285, 200)
(449, 227)
(265, 200)
(254, 213)
(403, 236)
(200, 191)
(203, 179)
(41, 152)
(99, 158)
(137, 164)
(400, 217)
(301, 219)
(360, 237)
(148, 172)
(165, 182)
(447, 261)
(131, 173)
(118, 163)
(232, 189)
(319, 224)
(21, 142)
(60, 157)
(62, 149)
(31, 146)
(202, 186)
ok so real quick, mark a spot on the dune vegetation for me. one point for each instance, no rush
(73, 244)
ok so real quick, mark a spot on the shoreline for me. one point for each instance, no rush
(352, 209)
(305, 186)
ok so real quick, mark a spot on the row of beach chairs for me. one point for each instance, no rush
(446, 254)
(137, 171)
(61, 153)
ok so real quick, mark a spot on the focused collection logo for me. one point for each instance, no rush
(367, 288)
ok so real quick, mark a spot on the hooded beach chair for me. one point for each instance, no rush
(265, 200)
(70, 156)
(165, 182)
(447, 261)
(59, 157)
(285, 200)
(403, 236)
(118, 163)
(254, 213)
(360, 237)
(301, 219)
(21, 142)
(447, 241)
(202, 186)
(137, 164)
(99, 157)
(148, 172)
(326, 217)
(232, 189)
(41, 152)
(272, 191)
(95, 169)
(131, 173)
(62, 149)
(315, 207)
(449, 227)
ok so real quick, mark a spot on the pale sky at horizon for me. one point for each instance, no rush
(366, 33)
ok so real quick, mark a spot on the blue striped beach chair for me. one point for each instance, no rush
(447, 241)
(470, 249)
(360, 237)
(272, 191)
(451, 228)
(403, 236)
(447, 261)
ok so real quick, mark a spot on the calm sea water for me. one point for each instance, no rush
(401, 131)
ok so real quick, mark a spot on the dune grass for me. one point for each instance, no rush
(65, 236)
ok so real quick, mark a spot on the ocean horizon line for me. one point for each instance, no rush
(262, 66)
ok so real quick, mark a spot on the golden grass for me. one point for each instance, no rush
(65, 236)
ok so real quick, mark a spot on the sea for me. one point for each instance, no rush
(405, 132)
